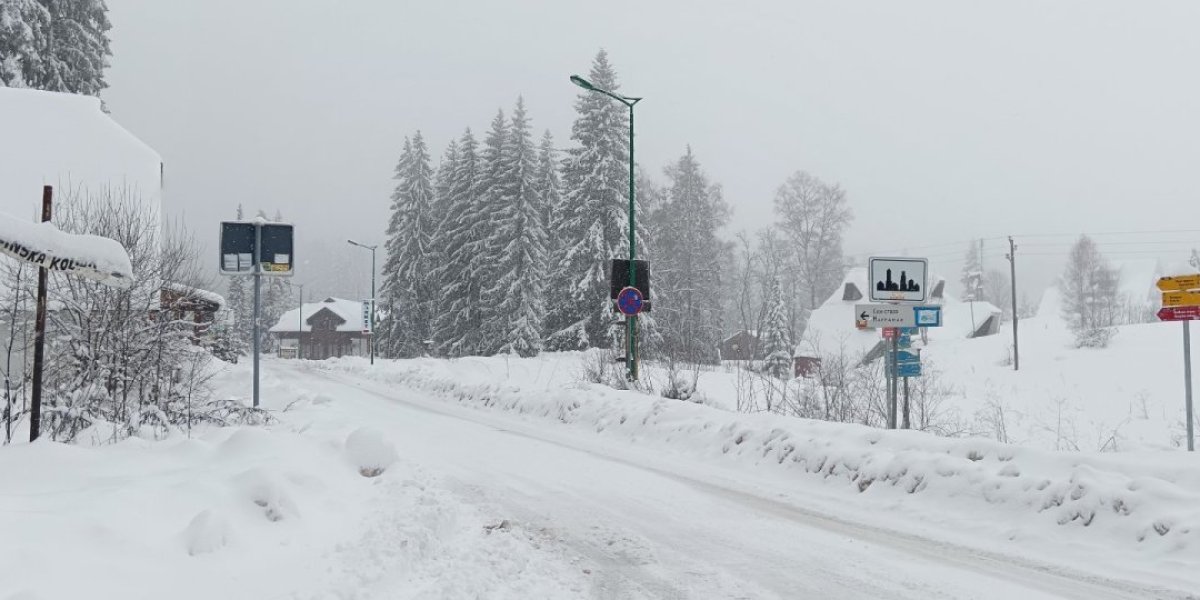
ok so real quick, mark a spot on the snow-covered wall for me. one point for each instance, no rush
(49, 138)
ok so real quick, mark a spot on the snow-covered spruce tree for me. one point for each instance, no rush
(515, 294)
(406, 284)
(548, 187)
(492, 241)
(456, 327)
(688, 263)
(777, 341)
(1090, 295)
(24, 30)
(594, 211)
(72, 55)
(814, 216)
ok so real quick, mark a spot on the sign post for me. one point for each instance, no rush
(901, 283)
(1181, 302)
(257, 248)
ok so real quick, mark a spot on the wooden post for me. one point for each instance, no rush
(39, 339)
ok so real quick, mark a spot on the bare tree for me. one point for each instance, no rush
(1090, 295)
(814, 216)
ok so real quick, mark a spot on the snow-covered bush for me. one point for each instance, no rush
(119, 357)
(369, 452)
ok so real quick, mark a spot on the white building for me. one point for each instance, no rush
(320, 330)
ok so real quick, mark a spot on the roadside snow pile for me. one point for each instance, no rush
(253, 513)
(1147, 497)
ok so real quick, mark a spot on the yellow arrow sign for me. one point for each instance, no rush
(1179, 283)
(1181, 299)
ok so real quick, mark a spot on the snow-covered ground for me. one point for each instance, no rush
(511, 478)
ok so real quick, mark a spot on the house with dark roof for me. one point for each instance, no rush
(318, 330)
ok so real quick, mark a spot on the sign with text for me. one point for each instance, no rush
(897, 279)
(256, 246)
(366, 316)
(1179, 283)
(1179, 313)
(1181, 299)
(898, 315)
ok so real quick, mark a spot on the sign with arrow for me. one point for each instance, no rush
(1179, 313)
(1179, 283)
(898, 315)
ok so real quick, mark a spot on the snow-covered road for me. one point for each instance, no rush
(640, 525)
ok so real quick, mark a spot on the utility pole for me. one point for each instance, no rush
(1012, 265)
(300, 331)
(906, 423)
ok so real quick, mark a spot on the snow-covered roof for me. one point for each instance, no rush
(50, 138)
(350, 311)
(195, 292)
(831, 326)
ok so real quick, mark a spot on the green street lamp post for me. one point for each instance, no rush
(631, 354)
(371, 338)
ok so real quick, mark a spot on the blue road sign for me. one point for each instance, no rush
(629, 301)
(903, 356)
(908, 369)
(928, 316)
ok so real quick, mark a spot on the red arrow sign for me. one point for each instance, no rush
(1179, 313)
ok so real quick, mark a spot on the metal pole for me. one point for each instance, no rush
(1187, 385)
(257, 302)
(895, 380)
(631, 321)
(906, 424)
(39, 339)
(371, 337)
(300, 331)
(1012, 265)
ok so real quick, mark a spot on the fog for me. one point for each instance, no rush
(945, 121)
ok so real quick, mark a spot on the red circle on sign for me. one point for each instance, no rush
(629, 301)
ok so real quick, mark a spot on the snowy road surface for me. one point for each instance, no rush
(639, 525)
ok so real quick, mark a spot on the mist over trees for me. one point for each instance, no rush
(1090, 295)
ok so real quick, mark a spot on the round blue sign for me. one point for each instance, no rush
(629, 301)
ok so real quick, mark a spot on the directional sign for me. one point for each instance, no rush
(1181, 298)
(629, 301)
(898, 315)
(1180, 313)
(905, 356)
(906, 369)
(1179, 283)
(897, 279)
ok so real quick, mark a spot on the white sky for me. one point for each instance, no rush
(944, 120)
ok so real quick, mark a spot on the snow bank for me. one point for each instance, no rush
(254, 513)
(1147, 499)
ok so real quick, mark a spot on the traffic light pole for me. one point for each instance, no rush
(257, 300)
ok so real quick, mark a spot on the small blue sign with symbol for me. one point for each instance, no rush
(629, 301)
(928, 316)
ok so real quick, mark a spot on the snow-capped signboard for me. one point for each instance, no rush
(898, 279)
(89, 256)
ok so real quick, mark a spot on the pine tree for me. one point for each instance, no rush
(689, 259)
(456, 329)
(777, 343)
(73, 55)
(24, 29)
(548, 187)
(516, 292)
(594, 212)
(406, 283)
(491, 242)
